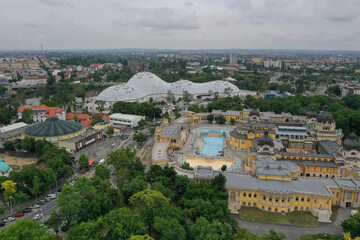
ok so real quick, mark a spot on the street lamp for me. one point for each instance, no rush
(11, 206)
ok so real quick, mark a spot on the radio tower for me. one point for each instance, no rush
(41, 48)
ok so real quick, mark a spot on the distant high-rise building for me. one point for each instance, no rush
(233, 58)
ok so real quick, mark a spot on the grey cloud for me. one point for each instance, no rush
(56, 3)
(31, 25)
(162, 19)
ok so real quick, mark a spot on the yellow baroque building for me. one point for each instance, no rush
(275, 188)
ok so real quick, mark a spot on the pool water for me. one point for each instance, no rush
(212, 145)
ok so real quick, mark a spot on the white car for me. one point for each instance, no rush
(35, 206)
(38, 216)
(9, 219)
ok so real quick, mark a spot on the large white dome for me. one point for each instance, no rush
(144, 85)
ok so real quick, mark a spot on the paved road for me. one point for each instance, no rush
(44, 209)
(294, 232)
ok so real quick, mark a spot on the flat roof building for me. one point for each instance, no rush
(125, 120)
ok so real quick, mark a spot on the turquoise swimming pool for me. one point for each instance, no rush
(212, 145)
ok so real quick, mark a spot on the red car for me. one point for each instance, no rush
(20, 214)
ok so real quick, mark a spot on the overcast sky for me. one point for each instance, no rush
(220, 24)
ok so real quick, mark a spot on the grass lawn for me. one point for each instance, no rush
(335, 210)
(305, 219)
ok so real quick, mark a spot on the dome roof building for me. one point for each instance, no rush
(55, 129)
(324, 116)
(312, 113)
(4, 167)
(144, 85)
(266, 139)
(351, 143)
(254, 112)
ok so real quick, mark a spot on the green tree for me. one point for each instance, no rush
(146, 203)
(54, 221)
(2, 209)
(97, 118)
(161, 188)
(352, 225)
(232, 121)
(141, 237)
(27, 116)
(69, 201)
(9, 145)
(168, 228)
(28, 144)
(223, 168)
(26, 229)
(273, 236)
(220, 119)
(140, 137)
(117, 224)
(203, 229)
(187, 97)
(100, 105)
(110, 131)
(102, 171)
(35, 189)
(210, 118)
(83, 161)
(186, 166)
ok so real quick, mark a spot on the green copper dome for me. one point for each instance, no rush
(4, 167)
(53, 127)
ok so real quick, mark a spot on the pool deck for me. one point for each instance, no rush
(193, 142)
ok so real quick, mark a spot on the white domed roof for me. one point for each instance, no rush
(145, 84)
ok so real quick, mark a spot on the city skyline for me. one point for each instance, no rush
(320, 25)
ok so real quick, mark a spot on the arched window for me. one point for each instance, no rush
(244, 203)
(302, 199)
(249, 204)
(262, 207)
(269, 209)
(301, 209)
(308, 199)
(307, 209)
(288, 209)
(254, 204)
(276, 210)
(232, 196)
(266, 149)
(296, 208)
(297, 199)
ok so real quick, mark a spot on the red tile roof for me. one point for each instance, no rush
(86, 123)
(50, 111)
(80, 116)
(106, 118)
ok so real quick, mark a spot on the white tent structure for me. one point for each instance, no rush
(144, 85)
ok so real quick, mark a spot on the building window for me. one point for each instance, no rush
(308, 199)
(254, 204)
(297, 199)
(302, 199)
(276, 210)
(244, 203)
(296, 208)
(264, 198)
(244, 194)
(276, 200)
(262, 207)
(282, 200)
(249, 194)
(337, 194)
(349, 195)
(269, 209)
(255, 195)
(249, 204)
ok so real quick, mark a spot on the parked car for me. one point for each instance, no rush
(2, 224)
(19, 214)
(47, 199)
(35, 206)
(38, 216)
(41, 202)
(72, 183)
(26, 210)
(51, 196)
(9, 219)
